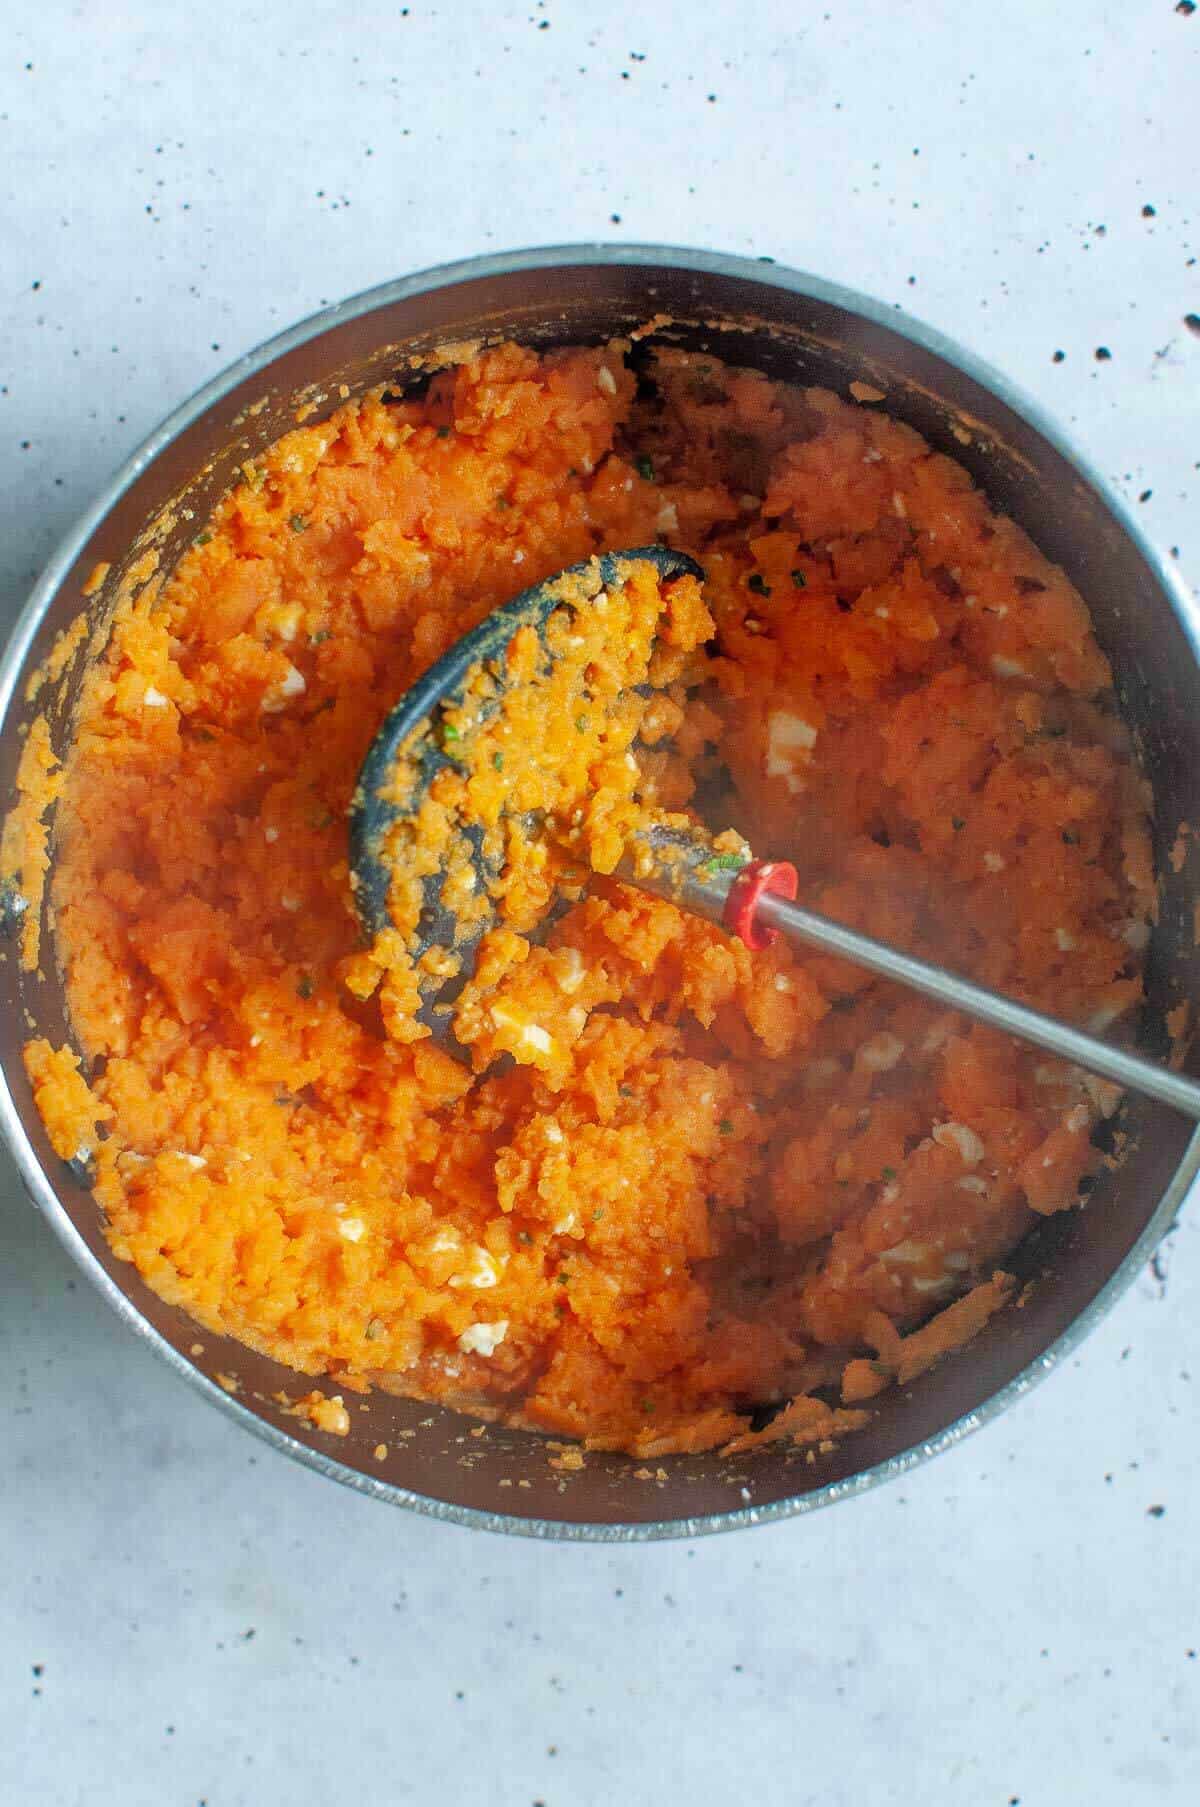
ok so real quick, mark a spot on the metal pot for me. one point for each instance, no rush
(790, 326)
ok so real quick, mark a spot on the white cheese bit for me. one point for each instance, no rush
(1077, 1119)
(880, 1053)
(884, 614)
(483, 1271)
(1136, 934)
(532, 1034)
(1103, 1093)
(787, 735)
(906, 1254)
(898, 506)
(567, 1226)
(290, 902)
(937, 1037)
(571, 969)
(271, 835)
(280, 694)
(667, 518)
(962, 1140)
(256, 1041)
(1065, 940)
(1008, 668)
(957, 1260)
(553, 1133)
(970, 602)
(1104, 1018)
(939, 1283)
(483, 1339)
(193, 1160)
(518, 557)
(443, 1242)
(351, 1229)
(994, 862)
(971, 1182)
(783, 982)
(606, 380)
(872, 456)
(154, 699)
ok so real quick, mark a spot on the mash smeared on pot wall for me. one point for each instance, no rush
(708, 1179)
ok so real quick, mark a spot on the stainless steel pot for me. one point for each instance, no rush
(806, 330)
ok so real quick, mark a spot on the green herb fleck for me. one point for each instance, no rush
(449, 733)
(305, 986)
(723, 862)
(645, 468)
(503, 502)
(799, 579)
(626, 1091)
(524, 1236)
(725, 1126)
(443, 432)
(560, 1308)
(957, 823)
(255, 476)
(648, 1407)
(319, 638)
(322, 819)
(497, 762)
(581, 723)
(203, 539)
(1070, 837)
(759, 585)
(298, 524)
(597, 1214)
(373, 1331)
(562, 1277)
(889, 1173)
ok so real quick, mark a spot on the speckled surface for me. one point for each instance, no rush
(187, 1619)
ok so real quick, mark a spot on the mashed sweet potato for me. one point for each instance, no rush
(710, 1180)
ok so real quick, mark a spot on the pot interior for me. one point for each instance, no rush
(771, 321)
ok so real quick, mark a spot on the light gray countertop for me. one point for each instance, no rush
(187, 1618)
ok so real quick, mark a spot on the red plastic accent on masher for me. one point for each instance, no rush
(774, 876)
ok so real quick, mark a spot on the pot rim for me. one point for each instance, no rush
(768, 274)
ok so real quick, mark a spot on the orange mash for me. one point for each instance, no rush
(706, 1181)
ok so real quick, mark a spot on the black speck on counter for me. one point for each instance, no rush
(615, 218)
(1192, 322)
(1156, 1512)
(1184, 7)
(1148, 212)
(1060, 357)
(1145, 495)
(1103, 354)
